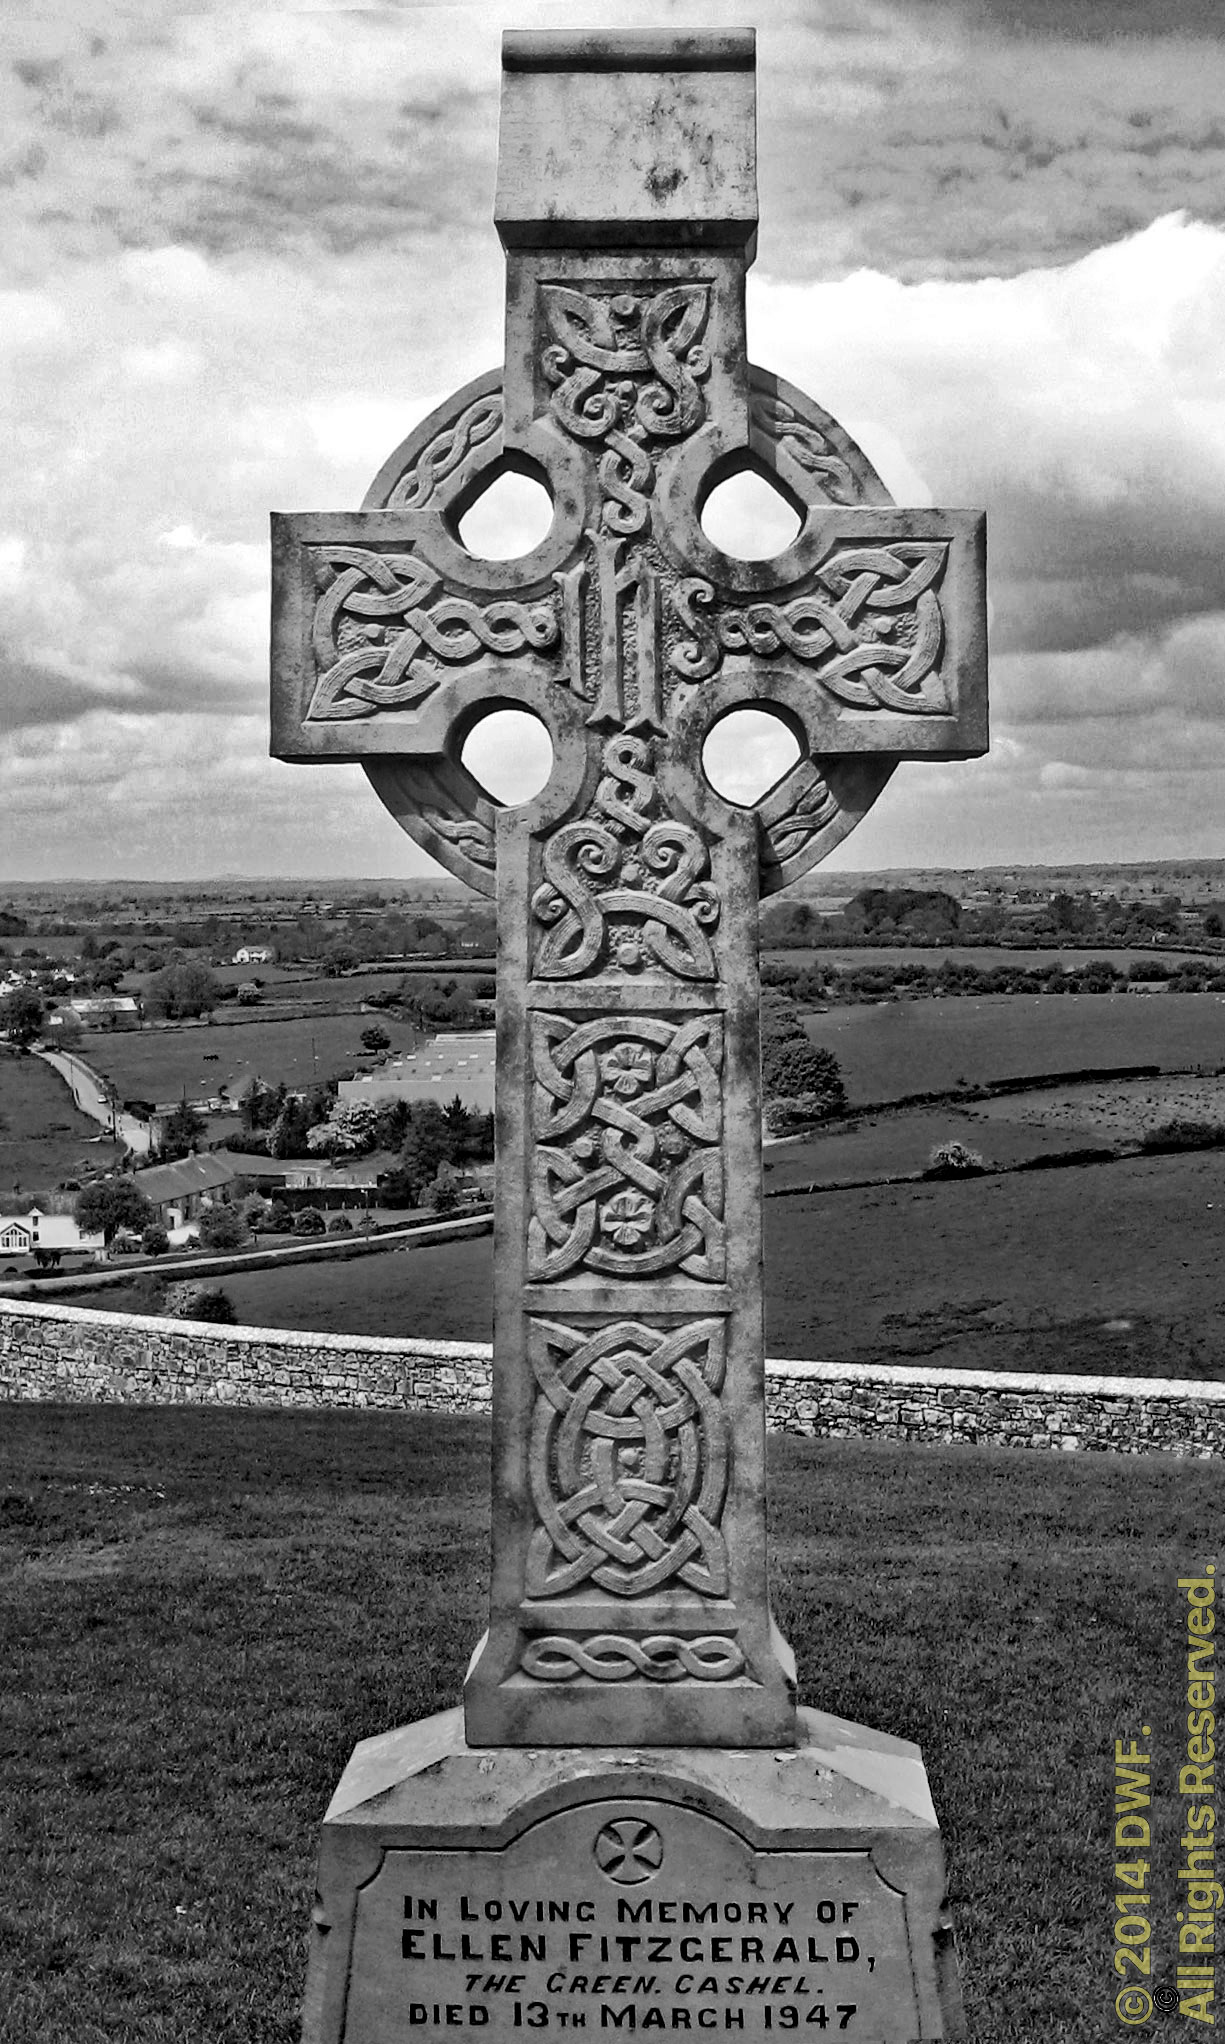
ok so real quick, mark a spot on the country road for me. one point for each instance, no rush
(89, 1092)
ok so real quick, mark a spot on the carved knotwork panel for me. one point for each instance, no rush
(626, 1143)
(627, 885)
(628, 1458)
(869, 625)
(620, 1657)
(626, 367)
(385, 630)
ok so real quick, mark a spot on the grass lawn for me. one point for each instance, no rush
(1105, 1270)
(43, 1137)
(205, 1610)
(896, 1047)
(157, 1064)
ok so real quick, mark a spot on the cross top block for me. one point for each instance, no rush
(628, 1601)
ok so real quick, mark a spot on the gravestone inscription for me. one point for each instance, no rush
(632, 1814)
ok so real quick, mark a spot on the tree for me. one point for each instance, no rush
(182, 990)
(376, 1038)
(426, 1145)
(288, 1134)
(155, 1241)
(349, 1131)
(394, 1117)
(337, 959)
(182, 1131)
(222, 1227)
(458, 1123)
(21, 1014)
(111, 1204)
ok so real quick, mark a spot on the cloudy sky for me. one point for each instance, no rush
(244, 251)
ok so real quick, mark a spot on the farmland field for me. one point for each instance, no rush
(43, 1137)
(157, 1064)
(985, 956)
(1109, 1269)
(890, 1048)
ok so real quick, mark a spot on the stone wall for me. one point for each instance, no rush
(62, 1352)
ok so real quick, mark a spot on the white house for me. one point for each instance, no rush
(53, 1234)
(254, 954)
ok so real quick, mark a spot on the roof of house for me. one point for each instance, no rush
(190, 1174)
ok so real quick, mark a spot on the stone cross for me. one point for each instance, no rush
(629, 1601)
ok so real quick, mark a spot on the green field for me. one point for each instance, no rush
(1110, 1270)
(43, 1136)
(892, 1048)
(203, 1611)
(158, 1064)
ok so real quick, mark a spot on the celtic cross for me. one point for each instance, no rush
(628, 1601)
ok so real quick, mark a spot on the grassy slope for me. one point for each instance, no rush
(1113, 1269)
(43, 1137)
(156, 1064)
(904, 1047)
(204, 1611)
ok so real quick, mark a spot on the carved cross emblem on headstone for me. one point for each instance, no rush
(628, 1602)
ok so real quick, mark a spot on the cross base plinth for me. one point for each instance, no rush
(479, 1894)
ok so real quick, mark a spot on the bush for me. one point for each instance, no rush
(340, 1224)
(1181, 1132)
(155, 1241)
(954, 1160)
(200, 1302)
(222, 1227)
(280, 1217)
(309, 1221)
(795, 1069)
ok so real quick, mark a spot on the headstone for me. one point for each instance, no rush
(631, 1825)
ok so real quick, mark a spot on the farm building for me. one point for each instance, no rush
(96, 1011)
(449, 1065)
(254, 954)
(178, 1191)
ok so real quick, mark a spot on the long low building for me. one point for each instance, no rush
(459, 1063)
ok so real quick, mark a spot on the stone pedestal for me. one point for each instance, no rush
(477, 1894)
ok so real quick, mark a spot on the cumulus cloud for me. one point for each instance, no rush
(244, 253)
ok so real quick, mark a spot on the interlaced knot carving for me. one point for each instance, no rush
(479, 423)
(628, 1458)
(612, 1657)
(627, 1121)
(870, 626)
(371, 626)
(627, 865)
(626, 368)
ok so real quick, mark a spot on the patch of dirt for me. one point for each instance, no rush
(1125, 1110)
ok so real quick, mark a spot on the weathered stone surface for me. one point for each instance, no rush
(644, 1891)
(628, 1601)
(628, 1597)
